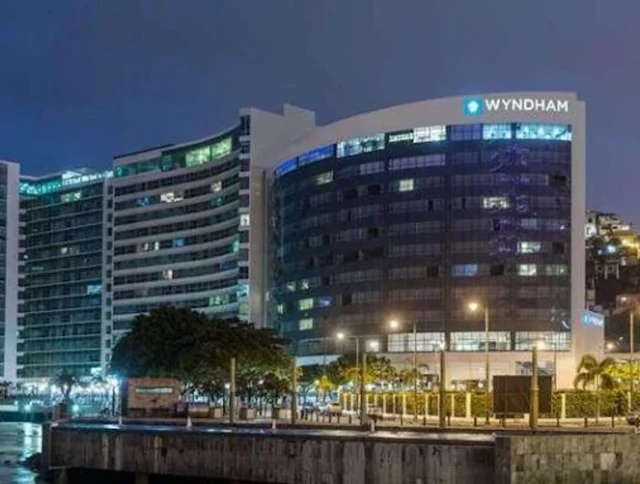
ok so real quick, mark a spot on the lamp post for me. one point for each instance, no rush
(535, 391)
(393, 324)
(442, 422)
(631, 344)
(474, 307)
(360, 371)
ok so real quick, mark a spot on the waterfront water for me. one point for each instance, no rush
(18, 441)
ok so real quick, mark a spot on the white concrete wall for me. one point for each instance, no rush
(11, 282)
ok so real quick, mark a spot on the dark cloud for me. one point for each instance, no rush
(82, 80)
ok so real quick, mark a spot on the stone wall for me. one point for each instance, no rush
(275, 457)
(582, 458)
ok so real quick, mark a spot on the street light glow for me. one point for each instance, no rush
(374, 345)
(340, 335)
(473, 306)
(394, 324)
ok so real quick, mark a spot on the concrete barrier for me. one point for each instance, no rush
(273, 456)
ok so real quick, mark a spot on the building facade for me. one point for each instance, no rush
(63, 281)
(411, 212)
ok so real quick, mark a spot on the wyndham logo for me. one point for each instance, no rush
(472, 106)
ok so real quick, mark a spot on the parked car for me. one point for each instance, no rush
(634, 419)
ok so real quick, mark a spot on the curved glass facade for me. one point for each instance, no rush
(414, 224)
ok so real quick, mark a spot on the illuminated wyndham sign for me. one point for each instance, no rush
(589, 318)
(474, 106)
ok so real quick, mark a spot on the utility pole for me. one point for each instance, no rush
(486, 363)
(363, 393)
(232, 391)
(294, 392)
(442, 392)
(533, 415)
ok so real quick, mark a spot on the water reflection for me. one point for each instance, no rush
(17, 442)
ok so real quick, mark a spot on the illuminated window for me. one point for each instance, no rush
(323, 178)
(364, 144)
(219, 300)
(178, 242)
(221, 149)
(543, 131)
(431, 133)
(323, 301)
(315, 155)
(64, 250)
(495, 202)
(144, 247)
(171, 197)
(286, 166)
(496, 131)
(94, 289)
(156, 245)
(245, 220)
(464, 270)
(71, 197)
(198, 156)
(557, 270)
(143, 202)
(405, 185)
(216, 186)
(529, 247)
(291, 286)
(167, 274)
(305, 324)
(527, 270)
(304, 304)
(280, 309)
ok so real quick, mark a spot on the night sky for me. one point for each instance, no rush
(84, 80)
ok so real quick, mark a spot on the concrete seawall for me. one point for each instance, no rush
(341, 456)
(285, 456)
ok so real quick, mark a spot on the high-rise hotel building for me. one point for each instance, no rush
(405, 213)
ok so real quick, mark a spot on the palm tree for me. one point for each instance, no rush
(594, 373)
(65, 381)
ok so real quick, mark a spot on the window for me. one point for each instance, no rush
(543, 131)
(178, 242)
(477, 341)
(323, 178)
(464, 270)
(557, 247)
(433, 271)
(280, 308)
(363, 144)
(323, 301)
(216, 186)
(530, 224)
(529, 247)
(430, 133)
(245, 220)
(304, 304)
(315, 155)
(423, 161)
(94, 289)
(496, 270)
(198, 156)
(527, 270)
(70, 197)
(171, 197)
(286, 166)
(405, 185)
(466, 132)
(371, 168)
(305, 324)
(167, 274)
(495, 202)
(496, 131)
(291, 286)
(557, 270)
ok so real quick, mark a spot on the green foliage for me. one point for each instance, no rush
(622, 373)
(592, 372)
(197, 350)
(65, 381)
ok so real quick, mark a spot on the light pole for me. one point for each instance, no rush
(535, 390)
(360, 371)
(631, 344)
(474, 307)
(442, 389)
(393, 324)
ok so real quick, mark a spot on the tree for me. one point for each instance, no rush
(307, 379)
(622, 373)
(197, 350)
(65, 381)
(592, 372)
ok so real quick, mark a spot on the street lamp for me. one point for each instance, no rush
(535, 390)
(393, 324)
(475, 306)
(340, 335)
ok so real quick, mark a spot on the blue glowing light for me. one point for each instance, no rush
(472, 106)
